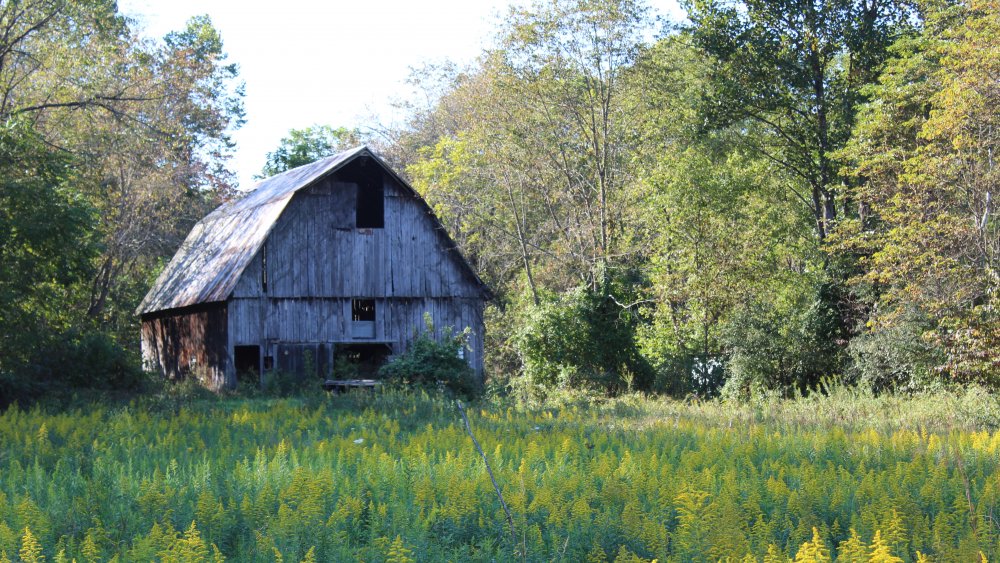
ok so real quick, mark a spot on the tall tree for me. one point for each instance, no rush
(530, 161)
(159, 162)
(551, 109)
(143, 126)
(734, 264)
(46, 247)
(794, 70)
(924, 154)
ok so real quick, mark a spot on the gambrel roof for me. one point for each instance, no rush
(212, 258)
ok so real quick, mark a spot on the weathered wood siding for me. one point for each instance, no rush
(193, 340)
(315, 251)
(270, 321)
(316, 262)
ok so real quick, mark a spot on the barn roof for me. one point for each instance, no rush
(211, 259)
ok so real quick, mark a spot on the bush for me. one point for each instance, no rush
(894, 358)
(60, 365)
(97, 361)
(787, 351)
(582, 339)
(429, 362)
(278, 383)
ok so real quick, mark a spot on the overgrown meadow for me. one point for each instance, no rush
(395, 477)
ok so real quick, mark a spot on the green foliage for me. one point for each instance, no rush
(923, 154)
(110, 147)
(392, 476)
(303, 146)
(581, 338)
(894, 358)
(93, 360)
(433, 361)
(278, 383)
(788, 350)
(791, 76)
(528, 156)
(46, 248)
(729, 242)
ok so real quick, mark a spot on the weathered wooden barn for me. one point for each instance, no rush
(340, 258)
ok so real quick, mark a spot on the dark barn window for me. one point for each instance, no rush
(371, 204)
(365, 359)
(363, 310)
(247, 360)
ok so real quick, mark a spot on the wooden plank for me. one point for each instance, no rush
(343, 385)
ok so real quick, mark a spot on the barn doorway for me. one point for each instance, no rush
(360, 361)
(305, 359)
(247, 362)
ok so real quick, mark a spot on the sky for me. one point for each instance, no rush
(331, 62)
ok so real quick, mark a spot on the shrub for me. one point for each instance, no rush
(61, 365)
(582, 339)
(787, 350)
(431, 362)
(894, 358)
(279, 383)
(96, 360)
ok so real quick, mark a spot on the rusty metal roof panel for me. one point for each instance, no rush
(209, 263)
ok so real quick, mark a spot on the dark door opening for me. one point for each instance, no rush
(305, 359)
(360, 361)
(247, 361)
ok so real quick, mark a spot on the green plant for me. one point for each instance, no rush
(279, 383)
(582, 338)
(788, 349)
(432, 362)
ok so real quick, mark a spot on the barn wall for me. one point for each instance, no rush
(188, 341)
(314, 262)
(307, 261)
(271, 322)
(315, 251)
(407, 319)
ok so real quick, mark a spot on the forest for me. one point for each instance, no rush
(761, 198)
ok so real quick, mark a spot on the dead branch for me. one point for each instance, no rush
(496, 487)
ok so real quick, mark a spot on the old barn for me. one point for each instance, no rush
(340, 258)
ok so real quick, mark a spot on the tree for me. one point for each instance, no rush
(794, 71)
(733, 265)
(923, 153)
(157, 164)
(734, 270)
(46, 246)
(544, 141)
(40, 74)
(303, 146)
(129, 140)
(529, 158)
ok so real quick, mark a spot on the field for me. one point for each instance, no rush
(395, 477)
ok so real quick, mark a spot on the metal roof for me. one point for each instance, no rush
(211, 259)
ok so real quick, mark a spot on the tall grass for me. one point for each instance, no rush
(393, 477)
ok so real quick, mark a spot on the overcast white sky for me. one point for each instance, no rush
(329, 62)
